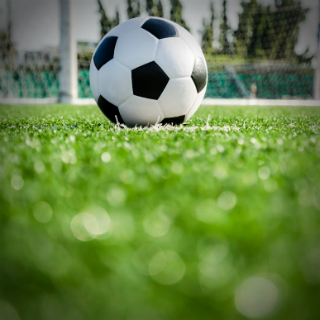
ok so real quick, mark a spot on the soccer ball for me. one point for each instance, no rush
(147, 71)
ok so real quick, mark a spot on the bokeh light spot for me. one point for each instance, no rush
(78, 228)
(106, 157)
(17, 182)
(142, 257)
(116, 196)
(127, 176)
(227, 200)
(257, 297)
(156, 224)
(249, 178)
(123, 228)
(94, 223)
(270, 185)
(39, 167)
(7, 312)
(209, 212)
(166, 268)
(74, 198)
(264, 173)
(177, 168)
(216, 267)
(42, 212)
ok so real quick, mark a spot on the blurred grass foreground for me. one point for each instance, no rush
(217, 219)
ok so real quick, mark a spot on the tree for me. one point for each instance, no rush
(150, 7)
(117, 18)
(106, 24)
(242, 36)
(225, 30)
(176, 13)
(207, 32)
(267, 32)
(259, 41)
(160, 9)
(7, 49)
(133, 8)
(154, 9)
(270, 32)
(286, 19)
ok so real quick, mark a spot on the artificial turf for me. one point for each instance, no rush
(215, 219)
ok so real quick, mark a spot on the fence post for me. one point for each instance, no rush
(68, 55)
(316, 79)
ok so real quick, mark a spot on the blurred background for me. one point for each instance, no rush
(264, 49)
(218, 219)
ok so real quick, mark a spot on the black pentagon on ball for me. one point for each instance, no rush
(149, 81)
(199, 74)
(110, 110)
(105, 52)
(173, 121)
(160, 28)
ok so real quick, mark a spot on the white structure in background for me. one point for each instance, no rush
(68, 55)
(316, 79)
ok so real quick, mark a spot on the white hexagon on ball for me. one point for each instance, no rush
(115, 82)
(175, 57)
(140, 111)
(178, 97)
(195, 105)
(189, 40)
(135, 48)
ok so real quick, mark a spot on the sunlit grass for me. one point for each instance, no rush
(216, 219)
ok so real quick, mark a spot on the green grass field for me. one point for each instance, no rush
(216, 219)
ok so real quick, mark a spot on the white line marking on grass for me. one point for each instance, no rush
(205, 102)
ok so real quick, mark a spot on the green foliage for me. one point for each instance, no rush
(245, 28)
(133, 8)
(159, 8)
(176, 13)
(287, 10)
(117, 18)
(84, 59)
(207, 32)
(267, 32)
(7, 48)
(225, 32)
(150, 7)
(154, 9)
(106, 24)
(104, 223)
